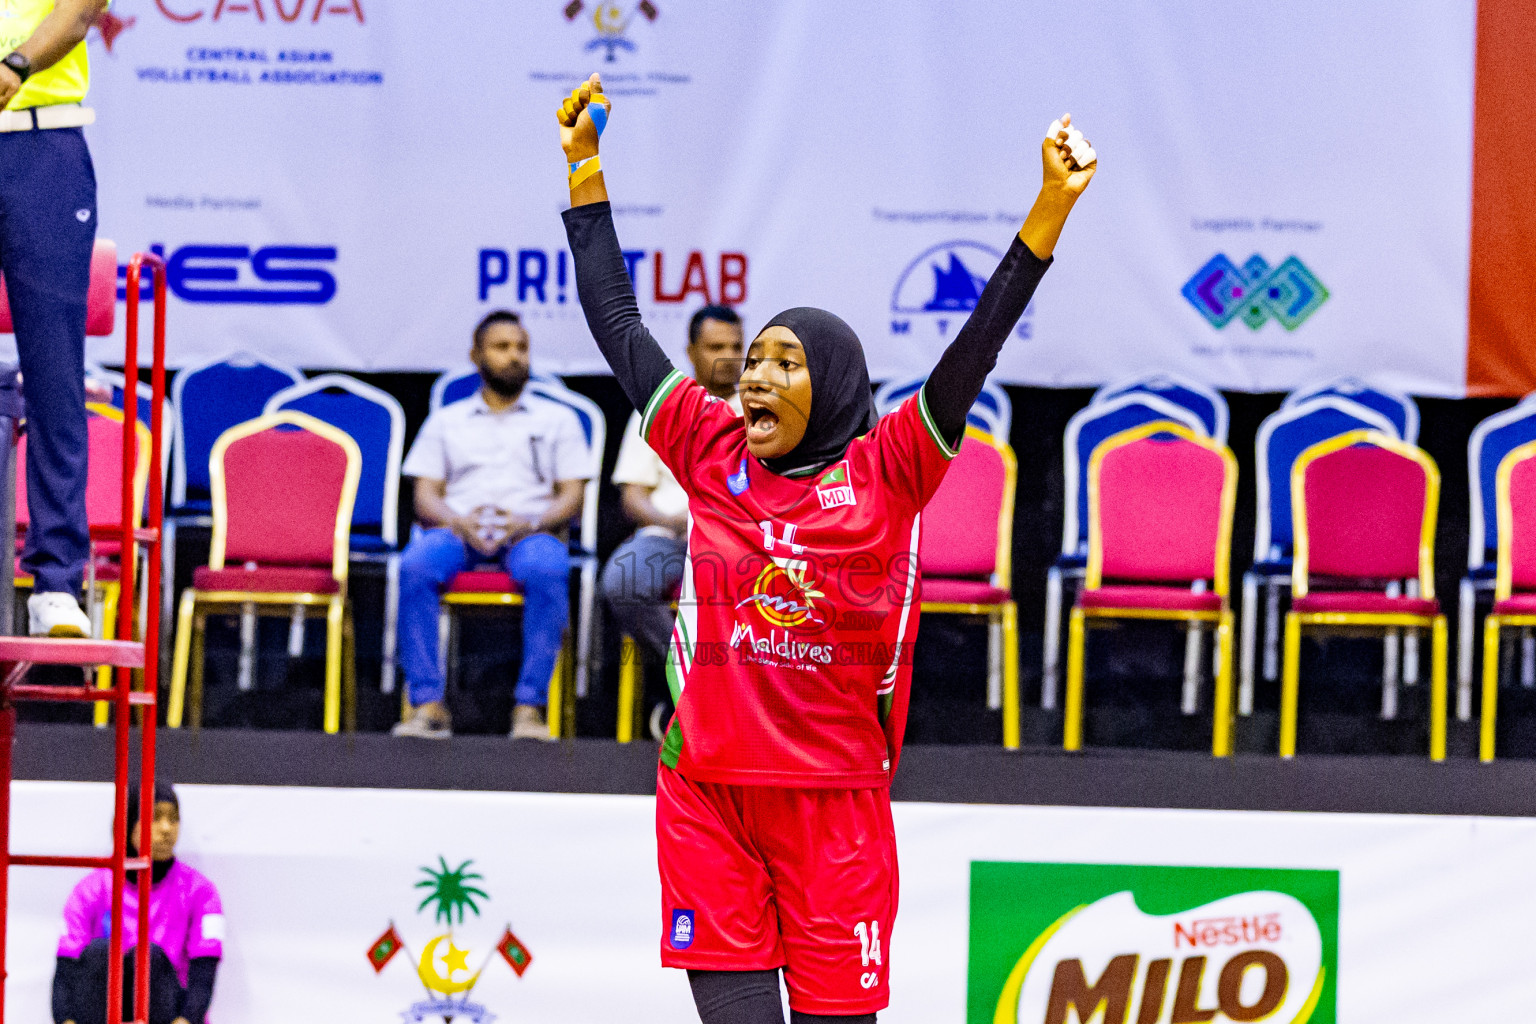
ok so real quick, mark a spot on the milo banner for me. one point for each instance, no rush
(353, 183)
(1053, 943)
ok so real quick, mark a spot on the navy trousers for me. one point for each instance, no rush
(47, 231)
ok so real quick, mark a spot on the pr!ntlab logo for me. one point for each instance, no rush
(1052, 943)
(443, 967)
(938, 289)
(1255, 292)
(611, 22)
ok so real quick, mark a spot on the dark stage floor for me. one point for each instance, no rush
(1370, 783)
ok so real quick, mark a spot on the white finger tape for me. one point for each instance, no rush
(1082, 153)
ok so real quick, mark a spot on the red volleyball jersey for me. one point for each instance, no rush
(791, 658)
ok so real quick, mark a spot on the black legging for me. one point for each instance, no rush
(751, 997)
(80, 987)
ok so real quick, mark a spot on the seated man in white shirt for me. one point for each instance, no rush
(498, 478)
(643, 572)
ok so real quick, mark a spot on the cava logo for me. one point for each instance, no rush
(443, 966)
(1099, 944)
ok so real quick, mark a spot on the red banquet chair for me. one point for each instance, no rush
(100, 295)
(103, 512)
(1160, 501)
(965, 550)
(1363, 505)
(283, 487)
(1514, 595)
(490, 588)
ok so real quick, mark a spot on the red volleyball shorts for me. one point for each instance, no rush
(759, 877)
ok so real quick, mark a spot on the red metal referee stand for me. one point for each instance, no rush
(19, 653)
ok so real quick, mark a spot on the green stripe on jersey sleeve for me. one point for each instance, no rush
(933, 428)
(672, 744)
(665, 388)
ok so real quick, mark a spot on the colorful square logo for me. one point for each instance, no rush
(1255, 292)
(1117, 944)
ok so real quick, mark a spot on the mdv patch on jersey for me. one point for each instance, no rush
(835, 489)
(682, 929)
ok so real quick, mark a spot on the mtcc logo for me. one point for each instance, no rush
(1255, 292)
(942, 285)
(611, 21)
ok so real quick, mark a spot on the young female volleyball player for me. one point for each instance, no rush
(790, 661)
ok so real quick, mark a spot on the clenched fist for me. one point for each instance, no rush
(582, 117)
(1061, 167)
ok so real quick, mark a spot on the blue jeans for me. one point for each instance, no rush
(429, 563)
(47, 229)
(637, 584)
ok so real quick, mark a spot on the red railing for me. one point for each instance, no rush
(19, 654)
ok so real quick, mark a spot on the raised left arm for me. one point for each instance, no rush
(962, 370)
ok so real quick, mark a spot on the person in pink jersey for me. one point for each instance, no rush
(186, 932)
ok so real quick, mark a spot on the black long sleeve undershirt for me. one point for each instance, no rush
(957, 380)
(608, 300)
(199, 993)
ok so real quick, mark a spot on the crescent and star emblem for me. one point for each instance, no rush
(453, 960)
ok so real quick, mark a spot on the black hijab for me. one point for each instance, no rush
(841, 406)
(164, 794)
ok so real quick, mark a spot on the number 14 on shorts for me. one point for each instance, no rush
(868, 934)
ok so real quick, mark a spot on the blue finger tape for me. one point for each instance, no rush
(599, 117)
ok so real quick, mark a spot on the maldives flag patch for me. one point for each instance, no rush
(514, 952)
(835, 490)
(383, 949)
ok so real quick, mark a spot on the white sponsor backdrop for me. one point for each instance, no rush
(842, 150)
(1434, 911)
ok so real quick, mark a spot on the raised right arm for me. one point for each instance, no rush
(602, 278)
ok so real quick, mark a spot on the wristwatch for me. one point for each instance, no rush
(18, 63)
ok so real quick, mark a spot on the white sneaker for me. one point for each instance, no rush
(56, 614)
(422, 726)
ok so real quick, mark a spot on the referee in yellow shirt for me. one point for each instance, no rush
(47, 231)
